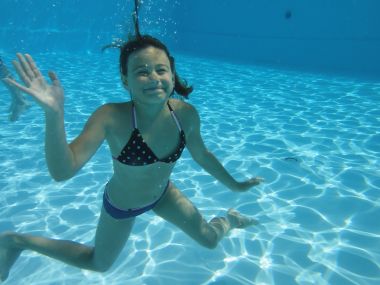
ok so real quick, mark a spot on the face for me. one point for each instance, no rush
(150, 78)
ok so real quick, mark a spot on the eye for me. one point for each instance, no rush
(162, 70)
(142, 72)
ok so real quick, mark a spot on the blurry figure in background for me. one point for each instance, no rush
(19, 103)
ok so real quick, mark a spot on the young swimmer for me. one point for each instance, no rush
(146, 136)
(18, 104)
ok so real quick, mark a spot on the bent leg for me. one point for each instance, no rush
(111, 236)
(178, 209)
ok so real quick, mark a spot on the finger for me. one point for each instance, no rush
(5, 81)
(260, 179)
(54, 79)
(36, 72)
(33, 66)
(21, 73)
(256, 181)
(25, 66)
(14, 83)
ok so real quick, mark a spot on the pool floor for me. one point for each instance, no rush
(315, 139)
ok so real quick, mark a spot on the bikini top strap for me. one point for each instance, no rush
(134, 120)
(175, 117)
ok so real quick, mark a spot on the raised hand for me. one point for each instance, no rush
(49, 96)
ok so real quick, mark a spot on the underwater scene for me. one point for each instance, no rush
(313, 135)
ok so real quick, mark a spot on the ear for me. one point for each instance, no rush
(125, 81)
(173, 78)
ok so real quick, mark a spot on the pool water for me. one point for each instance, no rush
(314, 138)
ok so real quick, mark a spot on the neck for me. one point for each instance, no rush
(149, 112)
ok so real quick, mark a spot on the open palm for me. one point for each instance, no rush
(49, 96)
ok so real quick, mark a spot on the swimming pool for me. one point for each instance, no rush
(315, 138)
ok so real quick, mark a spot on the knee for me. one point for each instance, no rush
(209, 236)
(9, 239)
(208, 242)
(211, 245)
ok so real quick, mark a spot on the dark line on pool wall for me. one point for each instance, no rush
(291, 159)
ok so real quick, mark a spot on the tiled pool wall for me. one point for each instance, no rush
(339, 35)
(321, 35)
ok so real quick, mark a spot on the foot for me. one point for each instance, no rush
(239, 221)
(8, 255)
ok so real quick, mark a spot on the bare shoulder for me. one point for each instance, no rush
(187, 114)
(109, 114)
(183, 108)
(111, 110)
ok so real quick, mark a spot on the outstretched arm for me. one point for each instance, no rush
(63, 160)
(209, 162)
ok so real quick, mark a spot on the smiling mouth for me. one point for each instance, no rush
(154, 89)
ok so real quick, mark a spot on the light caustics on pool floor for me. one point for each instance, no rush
(315, 139)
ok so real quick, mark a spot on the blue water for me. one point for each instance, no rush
(318, 211)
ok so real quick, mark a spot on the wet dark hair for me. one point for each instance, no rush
(139, 42)
(144, 41)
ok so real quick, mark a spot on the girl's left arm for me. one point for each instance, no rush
(207, 160)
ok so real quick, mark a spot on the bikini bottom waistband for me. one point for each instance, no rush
(118, 213)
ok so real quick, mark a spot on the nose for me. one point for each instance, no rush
(154, 82)
(153, 76)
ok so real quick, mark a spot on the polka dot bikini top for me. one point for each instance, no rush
(137, 153)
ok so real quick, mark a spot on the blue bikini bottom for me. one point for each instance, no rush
(118, 213)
